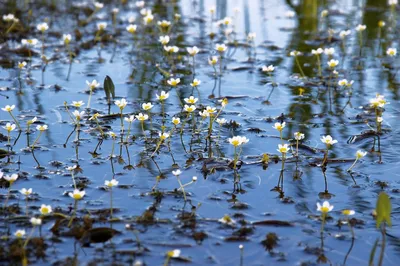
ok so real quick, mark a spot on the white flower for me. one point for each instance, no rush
(67, 38)
(345, 83)
(101, 26)
(251, 36)
(33, 120)
(163, 96)
(360, 27)
(176, 121)
(19, 233)
(391, 51)
(329, 51)
(378, 101)
(171, 49)
(191, 100)
(77, 104)
(298, 136)
(325, 208)
(283, 148)
(227, 220)
(164, 23)
(174, 82)
(328, 140)
(21, 65)
(141, 117)
(111, 183)
(379, 119)
(163, 136)
(130, 119)
(174, 253)
(140, 4)
(392, 2)
(121, 103)
(195, 83)
(238, 140)
(41, 127)
(9, 17)
(317, 52)
(42, 27)
(9, 127)
(348, 212)
(278, 126)
(112, 134)
(220, 47)
(204, 114)
(26, 192)
(29, 42)
(11, 178)
(92, 85)
(45, 209)
(213, 60)
(115, 10)
(98, 5)
(290, 14)
(177, 172)
(333, 63)
(131, 28)
(131, 19)
(164, 40)
(269, 68)
(36, 221)
(189, 108)
(194, 179)
(221, 121)
(193, 50)
(344, 33)
(8, 108)
(71, 168)
(78, 115)
(147, 106)
(76, 194)
(295, 53)
(360, 154)
(148, 19)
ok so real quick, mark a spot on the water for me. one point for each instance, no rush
(316, 112)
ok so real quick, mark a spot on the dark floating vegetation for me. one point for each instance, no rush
(199, 132)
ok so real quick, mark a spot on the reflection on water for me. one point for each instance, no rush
(161, 222)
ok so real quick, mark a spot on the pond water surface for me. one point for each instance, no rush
(275, 225)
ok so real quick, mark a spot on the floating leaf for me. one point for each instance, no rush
(383, 210)
(109, 88)
(99, 235)
(3, 153)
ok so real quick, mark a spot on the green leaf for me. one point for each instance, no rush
(383, 210)
(109, 88)
(3, 153)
